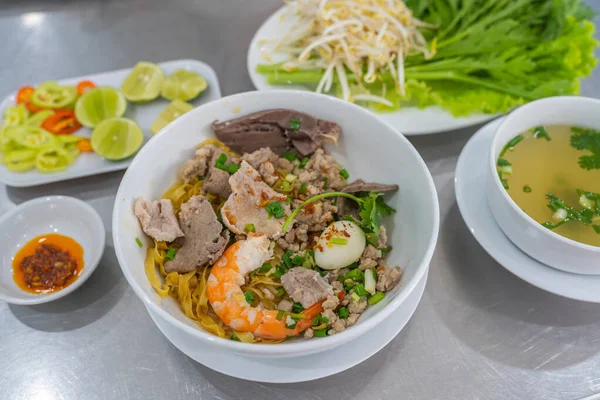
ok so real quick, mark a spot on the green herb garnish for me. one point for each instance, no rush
(290, 155)
(234, 338)
(249, 297)
(376, 298)
(587, 139)
(250, 228)
(303, 162)
(325, 183)
(321, 333)
(280, 292)
(343, 313)
(287, 259)
(540, 132)
(298, 260)
(586, 216)
(297, 308)
(510, 145)
(220, 164)
(302, 188)
(356, 275)
(344, 174)
(360, 290)
(527, 189)
(275, 209)
(171, 254)
(295, 124)
(139, 242)
(502, 180)
(503, 163)
(338, 241)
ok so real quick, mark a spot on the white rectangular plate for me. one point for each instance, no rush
(144, 114)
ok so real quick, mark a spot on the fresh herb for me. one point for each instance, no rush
(502, 180)
(266, 267)
(338, 241)
(234, 338)
(527, 189)
(321, 333)
(280, 292)
(139, 242)
(360, 290)
(384, 250)
(541, 132)
(303, 162)
(586, 216)
(587, 139)
(250, 228)
(302, 188)
(320, 319)
(511, 145)
(287, 259)
(298, 260)
(279, 271)
(220, 164)
(355, 296)
(297, 308)
(376, 298)
(295, 124)
(249, 297)
(289, 200)
(344, 174)
(171, 254)
(290, 155)
(371, 209)
(354, 265)
(503, 163)
(285, 186)
(356, 275)
(325, 183)
(275, 209)
(280, 315)
(343, 313)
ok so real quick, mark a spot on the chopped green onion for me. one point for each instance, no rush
(541, 132)
(287, 259)
(290, 155)
(290, 178)
(220, 164)
(289, 200)
(250, 228)
(344, 174)
(355, 296)
(596, 228)
(376, 298)
(354, 265)
(298, 260)
(503, 163)
(321, 333)
(343, 313)
(234, 338)
(275, 209)
(384, 250)
(171, 254)
(360, 290)
(295, 124)
(297, 308)
(325, 183)
(279, 271)
(355, 275)
(527, 189)
(280, 315)
(139, 242)
(266, 267)
(510, 145)
(302, 188)
(320, 319)
(249, 297)
(280, 292)
(297, 316)
(303, 162)
(233, 168)
(285, 186)
(338, 241)
(221, 160)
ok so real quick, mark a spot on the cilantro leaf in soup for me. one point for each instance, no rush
(587, 140)
(539, 132)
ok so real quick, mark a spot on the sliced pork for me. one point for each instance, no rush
(217, 180)
(204, 243)
(306, 286)
(157, 219)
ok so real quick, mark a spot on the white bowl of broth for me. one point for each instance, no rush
(544, 179)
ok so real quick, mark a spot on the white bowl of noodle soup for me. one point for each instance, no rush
(369, 149)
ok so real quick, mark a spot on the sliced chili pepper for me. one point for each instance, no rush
(84, 145)
(62, 123)
(84, 86)
(24, 94)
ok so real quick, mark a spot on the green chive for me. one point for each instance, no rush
(302, 188)
(360, 290)
(344, 174)
(295, 124)
(338, 241)
(343, 313)
(234, 338)
(297, 308)
(280, 315)
(275, 209)
(285, 186)
(221, 160)
(249, 297)
(139, 242)
(376, 298)
(510, 145)
(541, 132)
(233, 168)
(280, 292)
(298, 260)
(325, 183)
(503, 163)
(287, 259)
(171, 253)
(355, 275)
(527, 189)
(321, 333)
(303, 162)
(290, 156)
(250, 228)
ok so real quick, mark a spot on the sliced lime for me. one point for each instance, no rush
(99, 104)
(183, 85)
(170, 114)
(143, 82)
(117, 138)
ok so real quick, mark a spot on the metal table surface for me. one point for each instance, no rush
(479, 332)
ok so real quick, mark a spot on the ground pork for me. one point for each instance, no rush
(267, 171)
(295, 239)
(285, 305)
(316, 215)
(388, 278)
(352, 318)
(309, 333)
(331, 302)
(382, 242)
(198, 165)
(357, 307)
(370, 258)
(285, 245)
(337, 286)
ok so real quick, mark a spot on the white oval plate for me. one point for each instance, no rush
(299, 369)
(144, 114)
(473, 205)
(409, 121)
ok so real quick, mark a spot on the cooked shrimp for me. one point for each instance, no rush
(227, 299)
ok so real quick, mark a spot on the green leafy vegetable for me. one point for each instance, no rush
(587, 139)
(587, 215)
(344, 174)
(541, 132)
(249, 297)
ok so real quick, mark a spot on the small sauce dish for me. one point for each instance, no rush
(527, 234)
(51, 215)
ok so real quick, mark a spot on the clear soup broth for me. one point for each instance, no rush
(544, 161)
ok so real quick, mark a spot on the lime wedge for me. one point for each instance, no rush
(117, 138)
(183, 85)
(99, 104)
(173, 111)
(143, 82)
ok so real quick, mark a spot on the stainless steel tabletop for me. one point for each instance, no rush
(479, 332)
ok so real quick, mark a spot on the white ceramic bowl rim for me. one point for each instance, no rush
(88, 268)
(298, 346)
(492, 164)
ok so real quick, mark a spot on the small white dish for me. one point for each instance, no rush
(541, 243)
(473, 205)
(302, 368)
(410, 120)
(144, 114)
(52, 214)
